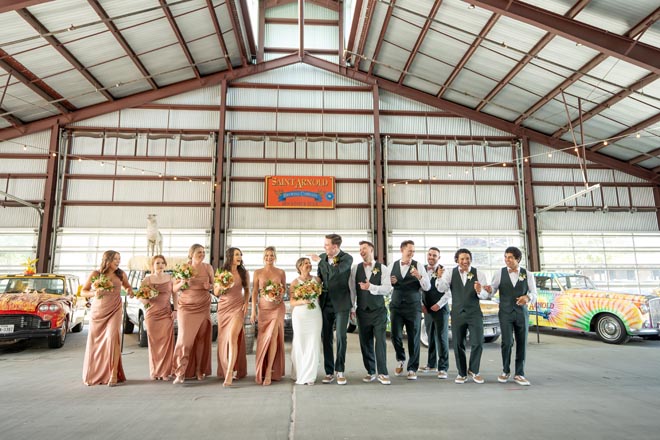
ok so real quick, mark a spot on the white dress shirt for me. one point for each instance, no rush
(384, 289)
(430, 270)
(531, 283)
(425, 282)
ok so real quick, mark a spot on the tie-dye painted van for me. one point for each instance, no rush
(570, 301)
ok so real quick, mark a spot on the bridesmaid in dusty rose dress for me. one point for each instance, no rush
(232, 308)
(102, 362)
(160, 321)
(269, 361)
(192, 354)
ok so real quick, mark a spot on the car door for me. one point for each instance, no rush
(544, 311)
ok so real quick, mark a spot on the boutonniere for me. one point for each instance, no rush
(469, 275)
(522, 277)
(335, 260)
(375, 271)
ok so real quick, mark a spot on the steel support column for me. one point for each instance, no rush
(217, 237)
(381, 241)
(531, 233)
(46, 228)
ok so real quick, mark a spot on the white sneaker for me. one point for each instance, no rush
(341, 380)
(412, 375)
(520, 380)
(369, 378)
(460, 379)
(442, 374)
(384, 379)
(398, 371)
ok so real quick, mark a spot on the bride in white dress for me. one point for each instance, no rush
(306, 344)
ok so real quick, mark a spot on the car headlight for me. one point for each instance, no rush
(49, 307)
(644, 308)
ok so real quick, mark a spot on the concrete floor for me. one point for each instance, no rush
(581, 389)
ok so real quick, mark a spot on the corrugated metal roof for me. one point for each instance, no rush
(203, 96)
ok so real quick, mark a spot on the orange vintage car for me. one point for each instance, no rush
(40, 306)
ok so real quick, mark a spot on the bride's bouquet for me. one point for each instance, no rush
(146, 292)
(307, 290)
(102, 283)
(273, 292)
(183, 272)
(223, 281)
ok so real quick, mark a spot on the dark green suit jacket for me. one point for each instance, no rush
(335, 282)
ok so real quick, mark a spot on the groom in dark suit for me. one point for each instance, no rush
(335, 301)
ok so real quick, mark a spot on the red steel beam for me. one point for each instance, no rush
(248, 26)
(420, 39)
(308, 21)
(468, 54)
(233, 17)
(32, 82)
(340, 42)
(9, 5)
(218, 32)
(618, 46)
(368, 16)
(486, 119)
(571, 13)
(13, 120)
(218, 209)
(262, 32)
(354, 25)
(301, 28)
(632, 130)
(146, 97)
(381, 36)
(59, 47)
(533, 252)
(179, 37)
(47, 217)
(122, 42)
(634, 32)
(329, 4)
(381, 240)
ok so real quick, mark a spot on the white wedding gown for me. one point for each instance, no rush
(306, 344)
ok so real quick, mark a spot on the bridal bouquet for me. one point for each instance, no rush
(308, 290)
(183, 272)
(273, 292)
(146, 292)
(223, 281)
(101, 283)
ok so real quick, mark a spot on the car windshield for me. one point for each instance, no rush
(576, 282)
(27, 284)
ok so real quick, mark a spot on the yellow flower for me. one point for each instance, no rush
(375, 271)
(469, 276)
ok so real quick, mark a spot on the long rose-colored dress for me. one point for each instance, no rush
(160, 332)
(192, 354)
(271, 316)
(104, 337)
(230, 307)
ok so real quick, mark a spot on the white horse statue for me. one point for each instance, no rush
(154, 237)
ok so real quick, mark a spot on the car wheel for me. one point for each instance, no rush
(58, 341)
(611, 330)
(128, 325)
(142, 333)
(489, 339)
(423, 336)
(78, 328)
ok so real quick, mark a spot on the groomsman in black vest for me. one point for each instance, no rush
(334, 271)
(369, 283)
(436, 319)
(467, 287)
(408, 281)
(517, 289)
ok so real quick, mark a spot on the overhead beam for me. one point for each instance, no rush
(7, 116)
(233, 17)
(329, 4)
(633, 130)
(381, 35)
(179, 37)
(9, 5)
(59, 47)
(621, 47)
(648, 79)
(146, 97)
(122, 42)
(575, 9)
(354, 24)
(34, 83)
(44, 263)
(245, 13)
(420, 39)
(468, 54)
(483, 118)
(368, 16)
(634, 32)
(218, 32)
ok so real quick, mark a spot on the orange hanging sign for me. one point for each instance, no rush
(296, 192)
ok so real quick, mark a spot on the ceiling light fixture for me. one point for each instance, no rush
(584, 192)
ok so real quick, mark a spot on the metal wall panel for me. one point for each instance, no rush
(106, 120)
(620, 176)
(204, 96)
(345, 171)
(548, 195)
(300, 74)
(252, 97)
(190, 119)
(19, 217)
(115, 217)
(282, 150)
(408, 125)
(352, 193)
(26, 189)
(138, 191)
(353, 151)
(247, 192)
(299, 122)
(251, 121)
(23, 166)
(597, 221)
(348, 123)
(299, 98)
(248, 148)
(138, 118)
(253, 169)
(305, 219)
(281, 35)
(348, 100)
(543, 154)
(301, 169)
(96, 190)
(312, 11)
(321, 37)
(185, 191)
(450, 220)
(642, 197)
(408, 194)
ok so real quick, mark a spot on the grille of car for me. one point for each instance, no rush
(491, 319)
(654, 311)
(24, 322)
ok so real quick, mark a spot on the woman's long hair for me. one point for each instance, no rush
(107, 258)
(229, 258)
